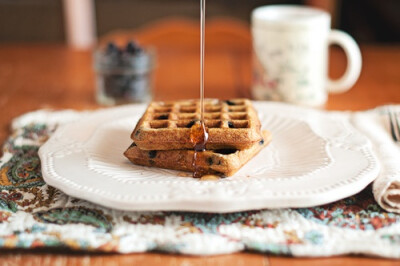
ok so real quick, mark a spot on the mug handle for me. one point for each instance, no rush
(353, 55)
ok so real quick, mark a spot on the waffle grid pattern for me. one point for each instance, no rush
(166, 125)
(218, 114)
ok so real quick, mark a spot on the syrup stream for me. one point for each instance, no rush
(198, 132)
(202, 48)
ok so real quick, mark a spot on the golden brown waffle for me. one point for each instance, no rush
(166, 125)
(223, 162)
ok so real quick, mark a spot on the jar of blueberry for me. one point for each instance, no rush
(124, 74)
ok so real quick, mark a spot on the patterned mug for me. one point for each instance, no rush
(290, 46)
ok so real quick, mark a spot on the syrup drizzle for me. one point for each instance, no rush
(202, 48)
(198, 132)
(198, 136)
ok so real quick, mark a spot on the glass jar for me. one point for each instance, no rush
(123, 76)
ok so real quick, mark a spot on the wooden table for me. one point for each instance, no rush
(54, 76)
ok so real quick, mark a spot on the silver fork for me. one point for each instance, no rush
(394, 125)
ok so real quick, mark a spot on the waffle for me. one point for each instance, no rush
(232, 124)
(223, 162)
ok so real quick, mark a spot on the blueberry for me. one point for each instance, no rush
(138, 50)
(132, 145)
(133, 48)
(190, 124)
(111, 48)
(130, 87)
(136, 87)
(114, 85)
(230, 102)
(137, 132)
(152, 154)
(230, 124)
(261, 142)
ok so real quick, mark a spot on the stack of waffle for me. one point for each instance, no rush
(162, 137)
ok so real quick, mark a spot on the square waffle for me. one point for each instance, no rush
(232, 124)
(223, 162)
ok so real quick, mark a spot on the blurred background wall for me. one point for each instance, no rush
(368, 21)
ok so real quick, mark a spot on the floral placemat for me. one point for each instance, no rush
(33, 214)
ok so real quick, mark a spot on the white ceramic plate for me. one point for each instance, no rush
(315, 157)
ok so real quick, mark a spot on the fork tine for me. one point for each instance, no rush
(397, 125)
(394, 124)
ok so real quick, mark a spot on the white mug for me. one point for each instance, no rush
(291, 55)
